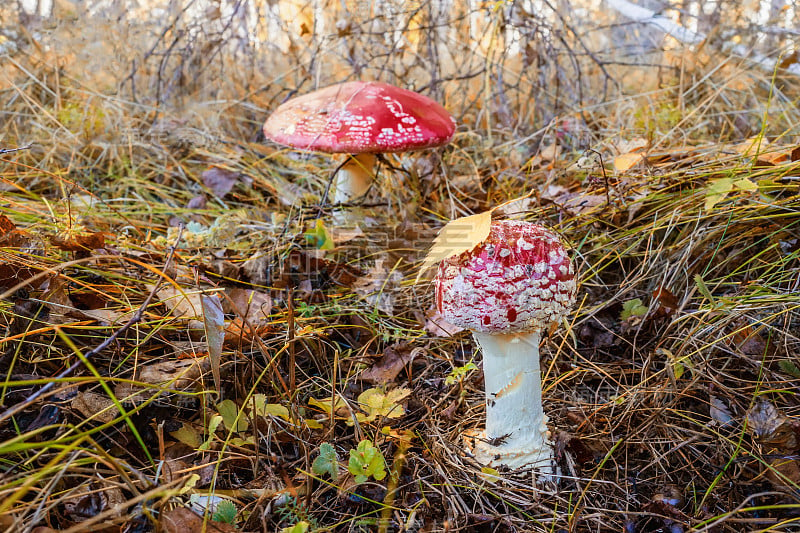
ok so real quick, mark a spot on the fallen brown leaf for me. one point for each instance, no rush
(9, 234)
(438, 326)
(79, 242)
(220, 180)
(183, 520)
(637, 144)
(96, 497)
(254, 306)
(98, 407)
(179, 375)
(391, 363)
(778, 435)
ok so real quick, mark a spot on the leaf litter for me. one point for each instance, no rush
(276, 338)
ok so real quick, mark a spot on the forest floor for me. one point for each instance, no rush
(187, 327)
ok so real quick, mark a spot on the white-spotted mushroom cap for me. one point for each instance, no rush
(519, 279)
(357, 117)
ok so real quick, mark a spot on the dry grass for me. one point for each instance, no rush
(664, 419)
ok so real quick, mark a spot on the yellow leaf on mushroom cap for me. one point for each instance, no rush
(457, 236)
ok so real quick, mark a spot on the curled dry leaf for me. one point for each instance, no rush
(107, 316)
(57, 298)
(581, 204)
(751, 343)
(214, 323)
(637, 144)
(752, 146)
(11, 271)
(252, 310)
(779, 437)
(766, 421)
(256, 267)
(253, 306)
(515, 206)
(175, 470)
(774, 158)
(198, 202)
(300, 265)
(9, 234)
(719, 412)
(665, 297)
(550, 152)
(62, 304)
(574, 203)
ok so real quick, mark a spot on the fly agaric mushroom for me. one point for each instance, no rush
(507, 291)
(361, 119)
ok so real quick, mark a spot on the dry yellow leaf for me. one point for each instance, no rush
(457, 236)
(625, 162)
(753, 145)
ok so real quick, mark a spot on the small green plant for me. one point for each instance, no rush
(233, 421)
(366, 461)
(300, 527)
(327, 462)
(304, 309)
(226, 512)
(294, 512)
(458, 373)
(377, 403)
(632, 308)
(719, 189)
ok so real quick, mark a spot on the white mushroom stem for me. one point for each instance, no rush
(354, 178)
(516, 427)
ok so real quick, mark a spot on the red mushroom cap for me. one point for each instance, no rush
(357, 117)
(519, 279)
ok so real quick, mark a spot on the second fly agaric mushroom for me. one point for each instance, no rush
(361, 119)
(507, 291)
